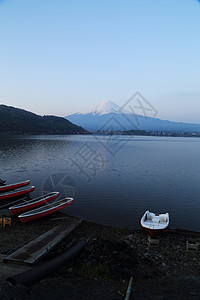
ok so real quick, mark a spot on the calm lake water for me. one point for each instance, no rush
(113, 179)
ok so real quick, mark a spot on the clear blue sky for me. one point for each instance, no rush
(58, 57)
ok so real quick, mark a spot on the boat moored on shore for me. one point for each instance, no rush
(16, 193)
(45, 210)
(31, 204)
(155, 223)
(13, 186)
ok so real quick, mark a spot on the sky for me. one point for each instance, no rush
(60, 57)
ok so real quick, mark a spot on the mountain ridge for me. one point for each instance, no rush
(17, 120)
(107, 114)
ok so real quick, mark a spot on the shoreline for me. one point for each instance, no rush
(111, 256)
(138, 228)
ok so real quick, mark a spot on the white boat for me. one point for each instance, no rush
(155, 223)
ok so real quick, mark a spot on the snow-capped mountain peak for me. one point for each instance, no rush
(103, 108)
(107, 114)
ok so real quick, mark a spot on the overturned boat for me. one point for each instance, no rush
(155, 223)
(13, 186)
(16, 193)
(45, 210)
(31, 204)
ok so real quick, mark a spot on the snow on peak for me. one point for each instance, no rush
(103, 108)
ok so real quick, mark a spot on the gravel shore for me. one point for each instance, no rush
(110, 257)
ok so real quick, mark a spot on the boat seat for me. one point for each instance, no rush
(148, 222)
(156, 219)
(148, 217)
(163, 219)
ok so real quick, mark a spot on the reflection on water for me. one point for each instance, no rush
(117, 178)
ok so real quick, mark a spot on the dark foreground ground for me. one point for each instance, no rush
(110, 257)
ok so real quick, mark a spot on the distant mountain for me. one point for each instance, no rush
(108, 116)
(15, 120)
(103, 108)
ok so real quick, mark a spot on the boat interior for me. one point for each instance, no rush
(25, 202)
(24, 188)
(151, 217)
(47, 206)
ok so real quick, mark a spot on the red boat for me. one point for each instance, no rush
(155, 223)
(45, 210)
(30, 204)
(13, 186)
(17, 193)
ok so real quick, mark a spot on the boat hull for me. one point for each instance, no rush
(154, 232)
(16, 193)
(18, 209)
(30, 217)
(13, 186)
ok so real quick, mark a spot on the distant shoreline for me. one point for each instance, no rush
(107, 133)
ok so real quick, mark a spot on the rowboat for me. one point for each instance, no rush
(45, 210)
(17, 192)
(154, 223)
(13, 186)
(28, 205)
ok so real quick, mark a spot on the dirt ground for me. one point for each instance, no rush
(111, 256)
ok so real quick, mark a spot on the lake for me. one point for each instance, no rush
(114, 179)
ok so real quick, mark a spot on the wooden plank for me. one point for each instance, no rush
(35, 250)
